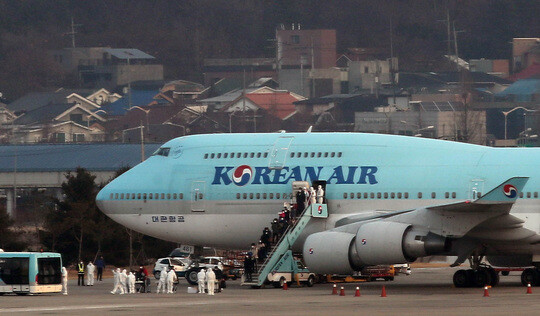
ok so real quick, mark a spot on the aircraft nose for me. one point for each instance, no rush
(103, 196)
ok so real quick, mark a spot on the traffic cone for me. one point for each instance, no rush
(342, 292)
(383, 293)
(357, 293)
(285, 286)
(334, 289)
(486, 293)
(529, 288)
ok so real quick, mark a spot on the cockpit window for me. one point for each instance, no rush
(163, 151)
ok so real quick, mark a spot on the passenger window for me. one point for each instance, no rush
(251, 155)
(392, 195)
(277, 196)
(212, 156)
(339, 154)
(258, 196)
(479, 195)
(251, 196)
(111, 196)
(181, 196)
(205, 156)
(127, 196)
(446, 195)
(238, 155)
(138, 196)
(245, 155)
(305, 155)
(521, 194)
(406, 195)
(312, 155)
(325, 155)
(535, 195)
(319, 155)
(351, 195)
(156, 196)
(244, 196)
(163, 196)
(379, 195)
(150, 196)
(528, 195)
(144, 196)
(453, 195)
(225, 155)
(238, 196)
(168, 196)
(265, 155)
(385, 195)
(365, 195)
(399, 195)
(133, 196)
(232, 155)
(298, 155)
(332, 155)
(219, 155)
(270, 196)
(372, 195)
(433, 195)
(258, 155)
(358, 195)
(264, 196)
(344, 195)
(292, 155)
(419, 195)
(200, 196)
(174, 196)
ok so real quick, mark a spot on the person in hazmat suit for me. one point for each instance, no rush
(64, 280)
(162, 281)
(123, 280)
(201, 279)
(90, 268)
(320, 195)
(171, 278)
(131, 282)
(210, 281)
(312, 196)
(117, 284)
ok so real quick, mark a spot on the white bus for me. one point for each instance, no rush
(30, 272)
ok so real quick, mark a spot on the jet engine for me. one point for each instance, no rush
(374, 243)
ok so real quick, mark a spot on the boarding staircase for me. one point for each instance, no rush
(285, 243)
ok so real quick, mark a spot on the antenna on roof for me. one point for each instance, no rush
(73, 32)
(309, 129)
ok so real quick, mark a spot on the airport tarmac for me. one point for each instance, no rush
(427, 291)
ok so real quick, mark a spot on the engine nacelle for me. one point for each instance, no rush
(374, 243)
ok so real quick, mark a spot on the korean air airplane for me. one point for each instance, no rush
(390, 199)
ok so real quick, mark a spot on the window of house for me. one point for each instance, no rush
(295, 39)
(78, 138)
(59, 137)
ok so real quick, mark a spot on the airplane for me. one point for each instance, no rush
(391, 199)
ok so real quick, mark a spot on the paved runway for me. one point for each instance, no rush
(425, 292)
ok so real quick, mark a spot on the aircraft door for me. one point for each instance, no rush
(198, 196)
(476, 189)
(278, 154)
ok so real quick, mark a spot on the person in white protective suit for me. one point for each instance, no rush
(320, 195)
(64, 280)
(171, 278)
(162, 281)
(117, 284)
(312, 196)
(210, 281)
(90, 268)
(131, 282)
(201, 279)
(123, 280)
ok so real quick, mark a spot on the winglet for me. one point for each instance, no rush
(507, 192)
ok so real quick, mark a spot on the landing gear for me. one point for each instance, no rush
(531, 276)
(479, 276)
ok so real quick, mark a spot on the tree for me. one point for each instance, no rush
(9, 238)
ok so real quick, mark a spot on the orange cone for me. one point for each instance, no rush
(486, 293)
(342, 292)
(357, 293)
(529, 288)
(383, 293)
(285, 286)
(334, 289)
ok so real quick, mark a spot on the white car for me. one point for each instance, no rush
(179, 264)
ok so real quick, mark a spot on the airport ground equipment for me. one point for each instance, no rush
(30, 272)
(284, 245)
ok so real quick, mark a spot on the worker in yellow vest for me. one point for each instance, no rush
(80, 274)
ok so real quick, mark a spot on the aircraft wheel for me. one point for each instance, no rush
(494, 277)
(529, 276)
(461, 278)
(482, 277)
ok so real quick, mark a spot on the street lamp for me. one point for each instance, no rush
(506, 117)
(419, 129)
(145, 112)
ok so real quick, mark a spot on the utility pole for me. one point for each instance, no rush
(142, 142)
(73, 32)
(312, 69)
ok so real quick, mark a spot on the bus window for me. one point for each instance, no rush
(49, 271)
(14, 270)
